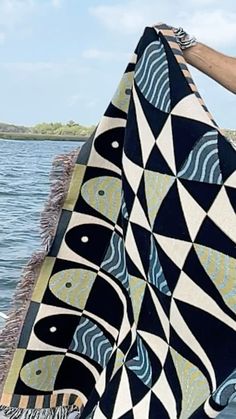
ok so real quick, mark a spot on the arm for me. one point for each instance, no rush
(218, 66)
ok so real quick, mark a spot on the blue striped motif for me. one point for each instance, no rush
(226, 392)
(89, 340)
(141, 365)
(155, 273)
(115, 261)
(203, 163)
(152, 76)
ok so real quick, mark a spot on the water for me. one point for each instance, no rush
(24, 187)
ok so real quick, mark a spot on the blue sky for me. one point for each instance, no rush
(62, 59)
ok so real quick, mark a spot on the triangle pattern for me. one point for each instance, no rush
(156, 162)
(186, 134)
(131, 248)
(212, 236)
(133, 173)
(231, 181)
(194, 214)
(138, 215)
(190, 107)
(147, 139)
(226, 219)
(156, 276)
(203, 193)
(123, 399)
(157, 186)
(170, 220)
(166, 146)
(137, 289)
(231, 192)
(177, 250)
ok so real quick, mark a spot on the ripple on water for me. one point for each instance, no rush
(24, 187)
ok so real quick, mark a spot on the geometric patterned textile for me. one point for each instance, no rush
(133, 315)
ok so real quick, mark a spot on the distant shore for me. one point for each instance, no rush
(40, 137)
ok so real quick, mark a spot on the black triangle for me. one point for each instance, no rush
(148, 321)
(138, 390)
(203, 193)
(157, 163)
(212, 236)
(155, 117)
(170, 219)
(141, 194)
(128, 415)
(156, 409)
(129, 194)
(171, 273)
(186, 133)
(142, 238)
(227, 156)
(107, 402)
(132, 147)
(231, 192)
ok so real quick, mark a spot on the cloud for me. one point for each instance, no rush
(205, 18)
(217, 28)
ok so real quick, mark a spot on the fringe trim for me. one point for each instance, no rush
(62, 168)
(61, 412)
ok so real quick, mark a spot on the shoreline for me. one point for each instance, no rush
(40, 137)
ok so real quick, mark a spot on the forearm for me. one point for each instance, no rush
(218, 66)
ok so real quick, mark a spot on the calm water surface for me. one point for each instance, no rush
(24, 187)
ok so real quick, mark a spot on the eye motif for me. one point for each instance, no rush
(72, 286)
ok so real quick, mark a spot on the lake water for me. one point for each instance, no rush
(24, 187)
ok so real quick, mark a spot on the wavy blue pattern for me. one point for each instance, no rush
(114, 262)
(89, 340)
(203, 163)
(226, 392)
(155, 274)
(140, 364)
(152, 76)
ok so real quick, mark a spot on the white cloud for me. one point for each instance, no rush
(205, 18)
(217, 28)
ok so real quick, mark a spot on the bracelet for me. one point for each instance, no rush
(184, 39)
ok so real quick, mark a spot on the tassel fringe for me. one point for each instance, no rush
(60, 176)
(61, 412)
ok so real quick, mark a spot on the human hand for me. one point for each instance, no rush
(184, 39)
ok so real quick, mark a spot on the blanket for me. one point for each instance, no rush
(132, 312)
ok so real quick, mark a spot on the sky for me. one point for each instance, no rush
(61, 60)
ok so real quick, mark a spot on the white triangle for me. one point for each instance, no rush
(231, 181)
(223, 214)
(164, 393)
(133, 173)
(132, 250)
(193, 213)
(189, 292)
(190, 107)
(165, 144)
(143, 407)
(123, 401)
(176, 250)
(138, 215)
(147, 139)
(157, 344)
